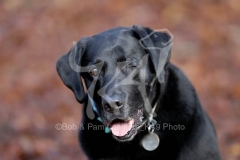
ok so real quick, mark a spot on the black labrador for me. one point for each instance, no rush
(137, 105)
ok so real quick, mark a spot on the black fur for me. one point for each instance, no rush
(178, 104)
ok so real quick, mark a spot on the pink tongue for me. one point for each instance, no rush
(121, 128)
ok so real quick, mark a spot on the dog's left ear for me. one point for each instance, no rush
(158, 44)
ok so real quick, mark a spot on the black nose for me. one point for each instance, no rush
(118, 103)
(112, 103)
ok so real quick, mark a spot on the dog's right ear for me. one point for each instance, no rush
(69, 67)
(158, 44)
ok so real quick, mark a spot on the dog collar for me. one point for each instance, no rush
(151, 141)
(94, 106)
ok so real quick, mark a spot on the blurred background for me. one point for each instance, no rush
(34, 34)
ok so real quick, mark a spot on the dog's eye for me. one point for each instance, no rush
(93, 71)
(129, 69)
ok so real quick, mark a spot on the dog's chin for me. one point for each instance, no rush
(137, 121)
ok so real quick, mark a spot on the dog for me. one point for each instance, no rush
(137, 104)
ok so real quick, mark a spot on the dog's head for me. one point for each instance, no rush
(123, 70)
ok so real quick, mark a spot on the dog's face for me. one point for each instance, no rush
(116, 93)
(119, 73)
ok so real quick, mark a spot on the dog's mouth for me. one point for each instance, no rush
(125, 129)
